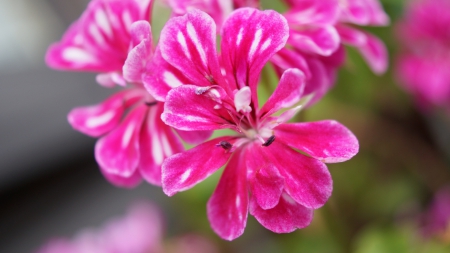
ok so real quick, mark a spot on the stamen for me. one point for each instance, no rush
(151, 103)
(269, 141)
(225, 145)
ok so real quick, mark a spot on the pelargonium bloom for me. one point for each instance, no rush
(139, 231)
(264, 173)
(318, 30)
(134, 141)
(423, 65)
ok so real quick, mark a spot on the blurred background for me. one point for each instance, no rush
(50, 184)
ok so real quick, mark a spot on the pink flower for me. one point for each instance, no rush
(261, 158)
(140, 231)
(134, 141)
(436, 220)
(100, 39)
(423, 66)
(318, 29)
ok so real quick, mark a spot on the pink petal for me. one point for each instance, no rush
(184, 170)
(190, 107)
(161, 77)
(218, 10)
(249, 39)
(99, 119)
(110, 79)
(287, 93)
(286, 217)
(327, 140)
(228, 206)
(118, 152)
(286, 59)
(316, 40)
(138, 57)
(157, 142)
(371, 48)
(364, 12)
(318, 12)
(321, 81)
(266, 181)
(307, 180)
(189, 44)
(99, 40)
(121, 181)
(194, 137)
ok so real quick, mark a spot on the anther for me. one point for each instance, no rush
(269, 141)
(225, 145)
(151, 103)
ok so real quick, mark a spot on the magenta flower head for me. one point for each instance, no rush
(114, 37)
(423, 67)
(264, 172)
(139, 231)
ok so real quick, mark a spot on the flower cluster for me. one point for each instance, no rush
(424, 64)
(139, 231)
(185, 87)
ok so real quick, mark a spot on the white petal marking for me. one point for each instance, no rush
(77, 55)
(166, 146)
(239, 37)
(171, 80)
(185, 175)
(255, 43)
(100, 119)
(193, 35)
(97, 35)
(127, 135)
(182, 41)
(102, 22)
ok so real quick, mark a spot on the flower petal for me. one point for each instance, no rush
(364, 12)
(322, 12)
(157, 142)
(160, 77)
(189, 107)
(287, 93)
(99, 40)
(228, 206)
(138, 57)
(266, 181)
(118, 152)
(371, 48)
(194, 137)
(249, 38)
(326, 140)
(184, 170)
(307, 180)
(121, 181)
(189, 44)
(99, 119)
(322, 40)
(286, 217)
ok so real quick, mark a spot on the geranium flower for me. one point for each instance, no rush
(423, 65)
(139, 231)
(134, 141)
(262, 158)
(318, 29)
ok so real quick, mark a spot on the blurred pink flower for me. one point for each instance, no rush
(139, 231)
(436, 220)
(423, 67)
(285, 185)
(114, 37)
